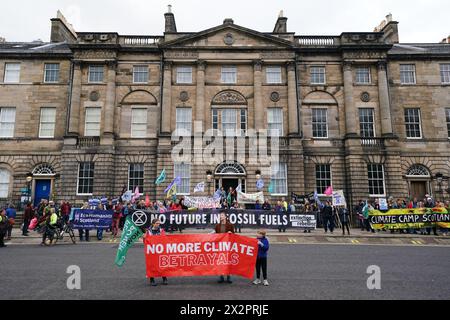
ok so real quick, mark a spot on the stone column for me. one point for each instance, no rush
(75, 100)
(110, 98)
(349, 103)
(383, 93)
(258, 108)
(200, 105)
(292, 99)
(167, 98)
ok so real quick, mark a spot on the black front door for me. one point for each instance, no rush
(227, 183)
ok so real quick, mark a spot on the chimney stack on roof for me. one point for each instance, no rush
(281, 24)
(390, 29)
(446, 40)
(2, 40)
(170, 26)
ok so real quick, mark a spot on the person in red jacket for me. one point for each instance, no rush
(27, 217)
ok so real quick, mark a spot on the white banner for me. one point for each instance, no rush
(338, 198)
(201, 202)
(250, 197)
(383, 204)
(200, 187)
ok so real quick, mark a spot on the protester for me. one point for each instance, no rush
(4, 222)
(51, 219)
(266, 205)
(328, 219)
(84, 232)
(344, 216)
(261, 260)
(224, 227)
(11, 214)
(65, 209)
(280, 210)
(156, 230)
(28, 215)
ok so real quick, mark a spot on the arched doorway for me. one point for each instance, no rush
(43, 180)
(230, 174)
(419, 178)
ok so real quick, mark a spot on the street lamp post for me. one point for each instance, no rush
(208, 180)
(29, 179)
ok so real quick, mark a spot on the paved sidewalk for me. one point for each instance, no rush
(291, 236)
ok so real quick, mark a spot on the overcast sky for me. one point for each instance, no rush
(420, 20)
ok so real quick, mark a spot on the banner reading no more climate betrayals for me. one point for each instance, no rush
(208, 218)
(200, 255)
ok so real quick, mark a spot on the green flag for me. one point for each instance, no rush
(270, 189)
(130, 234)
(365, 211)
(161, 178)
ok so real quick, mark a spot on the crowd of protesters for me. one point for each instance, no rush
(47, 214)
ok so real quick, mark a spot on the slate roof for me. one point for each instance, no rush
(420, 49)
(34, 47)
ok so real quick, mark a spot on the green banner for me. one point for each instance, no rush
(130, 234)
(410, 218)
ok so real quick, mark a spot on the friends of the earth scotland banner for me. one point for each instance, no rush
(208, 218)
(200, 255)
(410, 218)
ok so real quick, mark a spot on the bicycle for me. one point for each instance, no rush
(62, 229)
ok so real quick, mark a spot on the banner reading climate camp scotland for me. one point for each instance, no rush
(208, 218)
(410, 218)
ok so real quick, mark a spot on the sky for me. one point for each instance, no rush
(421, 21)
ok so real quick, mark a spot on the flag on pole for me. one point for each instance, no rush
(136, 195)
(161, 178)
(270, 189)
(329, 191)
(175, 181)
(316, 198)
(147, 201)
(217, 194)
(239, 188)
(172, 191)
(200, 187)
(365, 210)
(260, 184)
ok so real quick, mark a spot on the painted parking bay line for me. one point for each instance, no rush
(354, 241)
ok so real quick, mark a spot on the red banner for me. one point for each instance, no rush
(200, 255)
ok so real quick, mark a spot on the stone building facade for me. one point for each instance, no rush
(92, 114)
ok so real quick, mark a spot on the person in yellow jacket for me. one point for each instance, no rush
(3, 227)
(51, 220)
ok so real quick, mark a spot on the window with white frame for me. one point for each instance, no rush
(47, 123)
(279, 179)
(12, 73)
(407, 74)
(229, 122)
(376, 179)
(363, 75)
(275, 121)
(447, 116)
(323, 177)
(7, 122)
(136, 177)
(184, 75)
(183, 170)
(96, 74)
(445, 73)
(318, 75)
(5, 177)
(140, 74)
(273, 75)
(320, 123)
(412, 123)
(229, 74)
(51, 72)
(184, 120)
(366, 123)
(85, 178)
(92, 122)
(215, 119)
(243, 121)
(138, 122)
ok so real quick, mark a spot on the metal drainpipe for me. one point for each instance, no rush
(69, 97)
(161, 91)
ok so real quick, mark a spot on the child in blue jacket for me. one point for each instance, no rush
(261, 260)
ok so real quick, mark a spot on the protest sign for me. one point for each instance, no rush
(92, 219)
(200, 255)
(250, 197)
(130, 234)
(410, 218)
(306, 221)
